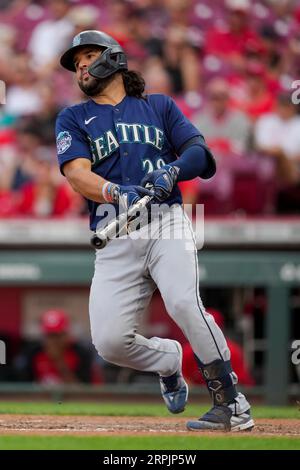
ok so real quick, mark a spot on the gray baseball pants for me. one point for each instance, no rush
(127, 272)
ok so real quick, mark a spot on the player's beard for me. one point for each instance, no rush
(94, 86)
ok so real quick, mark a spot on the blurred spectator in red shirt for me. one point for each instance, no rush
(251, 93)
(59, 358)
(190, 368)
(231, 42)
(47, 195)
(58, 361)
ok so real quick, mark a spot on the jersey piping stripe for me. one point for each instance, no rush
(197, 285)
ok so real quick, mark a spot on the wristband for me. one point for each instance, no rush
(110, 192)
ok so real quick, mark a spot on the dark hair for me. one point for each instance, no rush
(134, 83)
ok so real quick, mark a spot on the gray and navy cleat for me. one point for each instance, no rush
(174, 389)
(229, 417)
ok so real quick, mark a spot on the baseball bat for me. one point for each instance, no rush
(101, 237)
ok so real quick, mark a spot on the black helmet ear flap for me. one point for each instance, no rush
(111, 60)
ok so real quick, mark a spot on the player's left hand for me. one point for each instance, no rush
(162, 180)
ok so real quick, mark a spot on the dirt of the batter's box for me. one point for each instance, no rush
(120, 425)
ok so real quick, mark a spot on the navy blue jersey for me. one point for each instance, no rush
(123, 142)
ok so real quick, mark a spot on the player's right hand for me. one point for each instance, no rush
(124, 195)
(130, 195)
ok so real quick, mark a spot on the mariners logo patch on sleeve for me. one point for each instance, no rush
(63, 142)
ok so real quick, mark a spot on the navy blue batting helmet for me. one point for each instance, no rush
(112, 59)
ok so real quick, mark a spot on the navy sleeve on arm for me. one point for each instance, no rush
(179, 128)
(71, 142)
(192, 163)
(184, 135)
(197, 155)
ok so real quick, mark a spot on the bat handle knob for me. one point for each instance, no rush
(98, 242)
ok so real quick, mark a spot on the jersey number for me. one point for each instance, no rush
(150, 166)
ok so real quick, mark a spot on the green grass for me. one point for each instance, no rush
(129, 409)
(197, 442)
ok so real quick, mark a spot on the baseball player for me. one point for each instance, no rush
(112, 148)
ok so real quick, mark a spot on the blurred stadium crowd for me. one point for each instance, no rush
(229, 64)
